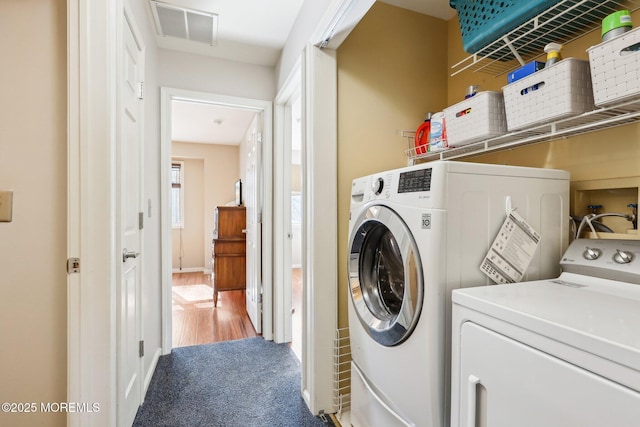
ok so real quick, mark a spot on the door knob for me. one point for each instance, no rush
(129, 254)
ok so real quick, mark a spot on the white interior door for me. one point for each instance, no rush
(282, 153)
(295, 250)
(253, 203)
(129, 367)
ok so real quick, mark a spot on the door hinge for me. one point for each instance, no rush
(73, 265)
(141, 348)
(141, 90)
(140, 220)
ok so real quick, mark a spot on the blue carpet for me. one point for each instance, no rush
(244, 383)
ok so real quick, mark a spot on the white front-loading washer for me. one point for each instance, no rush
(556, 353)
(416, 234)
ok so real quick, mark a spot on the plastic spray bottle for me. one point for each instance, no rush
(553, 53)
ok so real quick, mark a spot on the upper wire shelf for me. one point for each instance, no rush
(565, 21)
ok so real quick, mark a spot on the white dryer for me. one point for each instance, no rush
(416, 234)
(554, 353)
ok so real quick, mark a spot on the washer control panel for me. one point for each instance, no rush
(591, 253)
(621, 256)
(612, 259)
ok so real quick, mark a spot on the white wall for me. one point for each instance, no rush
(206, 74)
(310, 14)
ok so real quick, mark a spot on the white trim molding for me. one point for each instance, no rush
(91, 360)
(320, 231)
(167, 95)
(291, 89)
(341, 18)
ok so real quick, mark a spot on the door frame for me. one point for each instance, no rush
(318, 83)
(320, 230)
(282, 204)
(92, 58)
(167, 95)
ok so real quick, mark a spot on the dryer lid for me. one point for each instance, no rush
(597, 315)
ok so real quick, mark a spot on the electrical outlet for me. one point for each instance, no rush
(6, 205)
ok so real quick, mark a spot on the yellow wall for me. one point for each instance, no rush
(188, 240)
(33, 149)
(391, 71)
(219, 174)
(296, 177)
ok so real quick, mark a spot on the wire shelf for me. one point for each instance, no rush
(602, 118)
(562, 23)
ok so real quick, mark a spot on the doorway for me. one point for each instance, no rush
(206, 165)
(259, 281)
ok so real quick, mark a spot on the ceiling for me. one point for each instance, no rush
(208, 124)
(251, 31)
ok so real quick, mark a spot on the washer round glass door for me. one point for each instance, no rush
(385, 275)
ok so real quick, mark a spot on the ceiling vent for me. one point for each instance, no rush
(188, 24)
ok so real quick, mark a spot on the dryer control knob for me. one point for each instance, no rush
(623, 257)
(377, 185)
(592, 253)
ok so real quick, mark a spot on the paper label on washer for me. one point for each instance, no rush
(512, 250)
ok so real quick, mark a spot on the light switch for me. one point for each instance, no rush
(6, 205)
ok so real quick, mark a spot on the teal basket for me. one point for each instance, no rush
(482, 22)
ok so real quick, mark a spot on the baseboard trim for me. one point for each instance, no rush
(189, 270)
(152, 369)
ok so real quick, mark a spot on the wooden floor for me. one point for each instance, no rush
(195, 319)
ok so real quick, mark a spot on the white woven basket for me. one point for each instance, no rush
(553, 93)
(480, 117)
(615, 69)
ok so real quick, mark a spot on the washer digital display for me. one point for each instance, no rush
(414, 181)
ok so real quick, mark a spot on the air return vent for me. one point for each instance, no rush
(176, 21)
